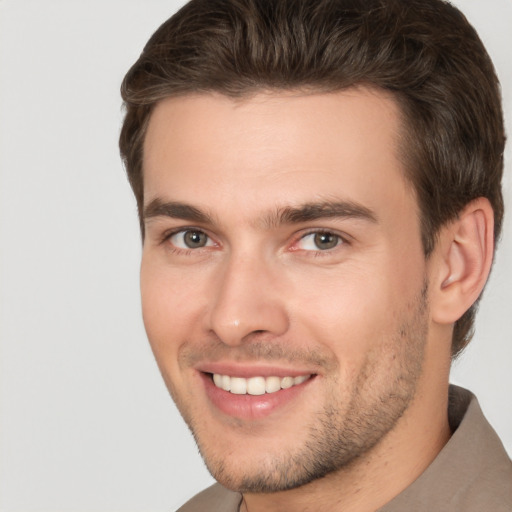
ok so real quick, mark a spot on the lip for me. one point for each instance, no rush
(252, 407)
(237, 370)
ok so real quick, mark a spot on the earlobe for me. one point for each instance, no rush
(465, 252)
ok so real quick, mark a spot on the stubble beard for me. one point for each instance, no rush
(344, 430)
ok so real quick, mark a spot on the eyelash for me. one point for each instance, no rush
(169, 234)
(342, 240)
(318, 253)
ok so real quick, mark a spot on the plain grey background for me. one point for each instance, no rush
(85, 420)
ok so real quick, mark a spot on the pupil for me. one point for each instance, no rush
(326, 240)
(194, 239)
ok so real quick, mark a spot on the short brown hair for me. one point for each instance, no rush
(423, 51)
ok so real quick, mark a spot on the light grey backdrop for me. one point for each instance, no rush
(85, 421)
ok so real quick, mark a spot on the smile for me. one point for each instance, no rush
(256, 385)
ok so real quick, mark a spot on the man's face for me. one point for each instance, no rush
(283, 262)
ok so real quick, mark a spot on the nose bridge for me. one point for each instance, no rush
(247, 300)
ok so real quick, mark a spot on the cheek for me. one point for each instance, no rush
(168, 307)
(351, 310)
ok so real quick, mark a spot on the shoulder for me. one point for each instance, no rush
(472, 473)
(213, 499)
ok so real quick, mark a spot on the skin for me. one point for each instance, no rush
(259, 294)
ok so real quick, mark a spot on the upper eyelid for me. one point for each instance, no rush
(311, 231)
(167, 234)
(296, 237)
(344, 242)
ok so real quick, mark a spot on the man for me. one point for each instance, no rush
(318, 185)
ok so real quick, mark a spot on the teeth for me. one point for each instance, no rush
(272, 384)
(217, 379)
(256, 385)
(238, 386)
(287, 382)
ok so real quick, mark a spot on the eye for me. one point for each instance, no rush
(319, 241)
(190, 239)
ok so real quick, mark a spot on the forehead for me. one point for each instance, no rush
(274, 148)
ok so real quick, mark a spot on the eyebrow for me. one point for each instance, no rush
(281, 216)
(175, 210)
(320, 210)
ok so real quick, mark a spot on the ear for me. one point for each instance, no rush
(463, 255)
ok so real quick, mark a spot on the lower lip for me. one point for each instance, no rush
(251, 407)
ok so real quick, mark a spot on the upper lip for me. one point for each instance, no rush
(250, 370)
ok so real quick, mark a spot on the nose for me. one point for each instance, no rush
(247, 301)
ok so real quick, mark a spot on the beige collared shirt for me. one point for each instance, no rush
(472, 473)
